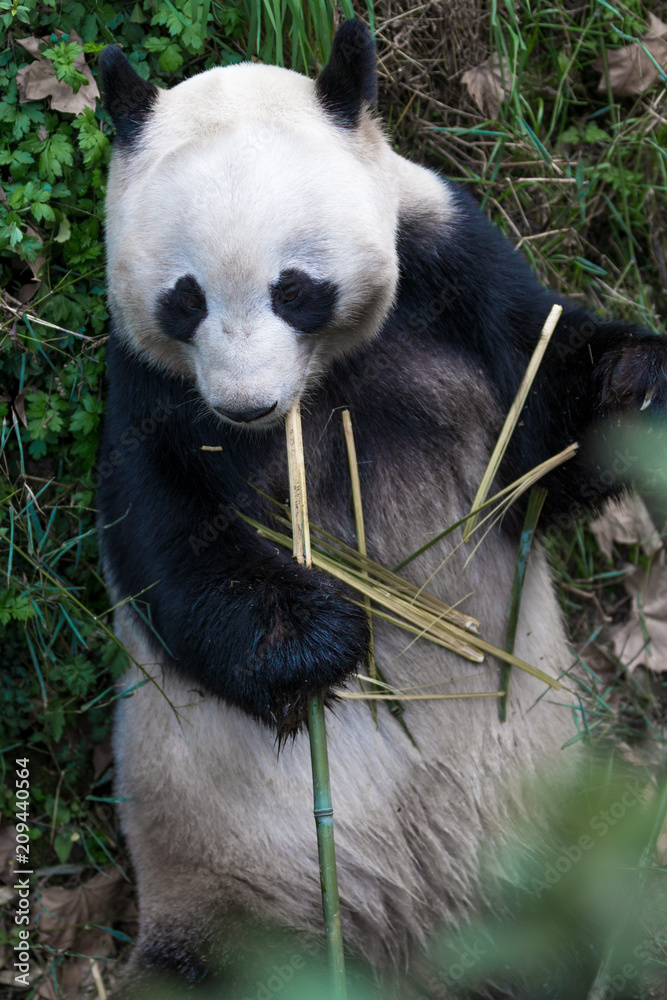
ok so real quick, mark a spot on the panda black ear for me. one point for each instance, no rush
(128, 99)
(347, 82)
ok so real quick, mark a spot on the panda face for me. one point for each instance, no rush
(250, 240)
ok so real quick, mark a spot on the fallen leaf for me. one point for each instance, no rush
(489, 84)
(28, 289)
(38, 81)
(628, 523)
(6, 896)
(19, 408)
(642, 639)
(31, 44)
(630, 69)
(61, 913)
(73, 976)
(8, 978)
(73, 920)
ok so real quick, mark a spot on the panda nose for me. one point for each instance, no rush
(246, 416)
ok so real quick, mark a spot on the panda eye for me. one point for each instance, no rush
(286, 295)
(306, 303)
(182, 308)
(191, 303)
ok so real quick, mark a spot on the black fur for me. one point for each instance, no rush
(128, 99)
(181, 309)
(167, 953)
(306, 304)
(347, 83)
(473, 291)
(237, 616)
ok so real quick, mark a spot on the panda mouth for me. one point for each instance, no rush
(246, 416)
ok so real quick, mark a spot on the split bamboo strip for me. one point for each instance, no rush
(513, 415)
(323, 808)
(397, 696)
(411, 614)
(379, 575)
(504, 497)
(359, 526)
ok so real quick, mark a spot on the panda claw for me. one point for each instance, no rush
(648, 399)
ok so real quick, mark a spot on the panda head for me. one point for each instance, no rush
(251, 224)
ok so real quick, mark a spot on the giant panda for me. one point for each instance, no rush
(265, 244)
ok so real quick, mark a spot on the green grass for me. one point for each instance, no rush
(577, 177)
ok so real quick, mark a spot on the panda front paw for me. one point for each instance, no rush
(270, 637)
(312, 640)
(633, 376)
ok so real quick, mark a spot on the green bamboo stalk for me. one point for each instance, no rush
(322, 808)
(533, 511)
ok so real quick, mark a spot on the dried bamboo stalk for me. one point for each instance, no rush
(359, 526)
(513, 415)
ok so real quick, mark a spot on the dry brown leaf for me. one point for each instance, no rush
(29, 289)
(74, 976)
(37, 81)
(18, 405)
(642, 639)
(630, 69)
(61, 913)
(489, 84)
(628, 523)
(63, 919)
(31, 44)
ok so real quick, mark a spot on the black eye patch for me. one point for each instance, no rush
(304, 303)
(181, 309)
